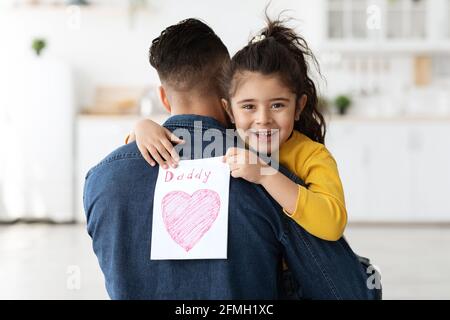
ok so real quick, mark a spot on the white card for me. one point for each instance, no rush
(190, 211)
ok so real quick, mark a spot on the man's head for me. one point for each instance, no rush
(189, 58)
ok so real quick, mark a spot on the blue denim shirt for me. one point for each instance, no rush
(118, 202)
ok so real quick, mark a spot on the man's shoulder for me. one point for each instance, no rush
(249, 194)
(112, 180)
(118, 158)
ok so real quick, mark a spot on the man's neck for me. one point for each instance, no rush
(208, 107)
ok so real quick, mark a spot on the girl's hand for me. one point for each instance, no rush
(245, 164)
(153, 139)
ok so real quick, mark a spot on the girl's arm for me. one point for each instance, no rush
(320, 209)
(155, 143)
(245, 164)
(282, 189)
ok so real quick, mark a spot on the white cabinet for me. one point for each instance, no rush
(97, 136)
(393, 170)
(429, 146)
(352, 158)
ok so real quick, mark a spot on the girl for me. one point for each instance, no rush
(272, 101)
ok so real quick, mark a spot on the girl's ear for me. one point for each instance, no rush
(163, 97)
(227, 109)
(300, 106)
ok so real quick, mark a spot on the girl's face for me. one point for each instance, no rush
(264, 111)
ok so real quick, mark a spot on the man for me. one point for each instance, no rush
(119, 193)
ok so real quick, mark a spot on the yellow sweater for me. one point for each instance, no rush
(320, 208)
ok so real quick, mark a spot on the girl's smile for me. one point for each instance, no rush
(264, 135)
(265, 141)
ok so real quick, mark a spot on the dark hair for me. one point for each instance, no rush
(189, 55)
(279, 50)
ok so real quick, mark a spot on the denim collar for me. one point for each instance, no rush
(188, 121)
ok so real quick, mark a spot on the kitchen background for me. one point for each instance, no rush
(74, 78)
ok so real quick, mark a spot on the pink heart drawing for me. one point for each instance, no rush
(187, 218)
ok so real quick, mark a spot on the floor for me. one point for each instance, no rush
(39, 261)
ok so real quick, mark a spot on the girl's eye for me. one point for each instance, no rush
(277, 105)
(247, 106)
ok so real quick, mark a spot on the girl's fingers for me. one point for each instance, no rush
(234, 164)
(231, 151)
(236, 173)
(231, 159)
(157, 157)
(144, 153)
(164, 154)
(237, 154)
(239, 159)
(173, 153)
(234, 167)
(262, 162)
(173, 137)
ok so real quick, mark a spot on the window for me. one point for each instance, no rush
(336, 19)
(399, 19)
(347, 19)
(448, 18)
(359, 18)
(406, 19)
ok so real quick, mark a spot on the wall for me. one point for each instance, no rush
(106, 50)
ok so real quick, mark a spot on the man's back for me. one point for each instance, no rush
(119, 202)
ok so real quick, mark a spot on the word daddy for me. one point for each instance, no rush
(201, 175)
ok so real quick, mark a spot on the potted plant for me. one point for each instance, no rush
(342, 103)
(38, 45)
